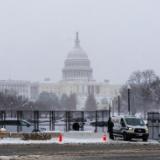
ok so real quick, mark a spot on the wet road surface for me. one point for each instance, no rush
(82, 151)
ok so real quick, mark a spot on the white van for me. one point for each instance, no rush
(12, 123)
(129, 127)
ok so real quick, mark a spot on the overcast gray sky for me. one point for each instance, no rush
(119, 36)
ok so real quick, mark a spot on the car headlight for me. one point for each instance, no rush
(146, 129)
(130, 129)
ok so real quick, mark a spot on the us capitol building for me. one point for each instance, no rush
(77, 77)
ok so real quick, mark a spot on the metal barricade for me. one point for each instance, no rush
(95, 121)
(154, 125)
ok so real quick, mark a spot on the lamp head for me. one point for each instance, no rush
(128, 87)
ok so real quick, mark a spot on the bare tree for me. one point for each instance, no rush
(47, 101)
(153, 91)
(10, 100)
(90, 104)
(140, 95)
(72, 102)
(105, 103)
(63, 102)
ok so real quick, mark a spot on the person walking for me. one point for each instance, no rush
(76, 126)
(110, 128)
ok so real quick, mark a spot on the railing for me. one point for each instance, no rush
(39, 120)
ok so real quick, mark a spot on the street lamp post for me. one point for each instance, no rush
(111, 107)
(112, 103)
(109, 110)
(129, 87)
(31, 112)
(119, 104)
(11, 109)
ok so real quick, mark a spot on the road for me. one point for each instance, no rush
(81, 151)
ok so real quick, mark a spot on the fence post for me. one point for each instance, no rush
(158, 121)
(82, 123)
(19, 117)
(50, 120)
(3, 117)
(103, 120)
(36, 121)
(54, 120)
(66, 121)
(96, 123)
(109, 110)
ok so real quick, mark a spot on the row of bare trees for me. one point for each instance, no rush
(50, 101)
(144, 97)
(144, 92)
(9, 100)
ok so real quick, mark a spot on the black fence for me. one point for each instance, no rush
(33, 121)
(154, 125)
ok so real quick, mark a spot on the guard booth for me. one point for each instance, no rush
(154, 125)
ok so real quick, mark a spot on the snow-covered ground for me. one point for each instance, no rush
(6, 141)
(60, 126)
(53, 140)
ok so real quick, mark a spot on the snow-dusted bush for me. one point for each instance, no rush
(36, 136)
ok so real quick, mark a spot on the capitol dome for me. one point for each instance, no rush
(77, 65)
(77, 53)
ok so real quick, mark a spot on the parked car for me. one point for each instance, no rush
(67, 120)
(80, 119)
(41, 121)
(11, 125)
(99, 124)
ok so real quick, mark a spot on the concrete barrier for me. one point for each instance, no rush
(83, 135)
(4, 135)
(54, 134)
(20, 135)
(81, 131)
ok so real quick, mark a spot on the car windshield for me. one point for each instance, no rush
(134, 122)
(23, 123)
